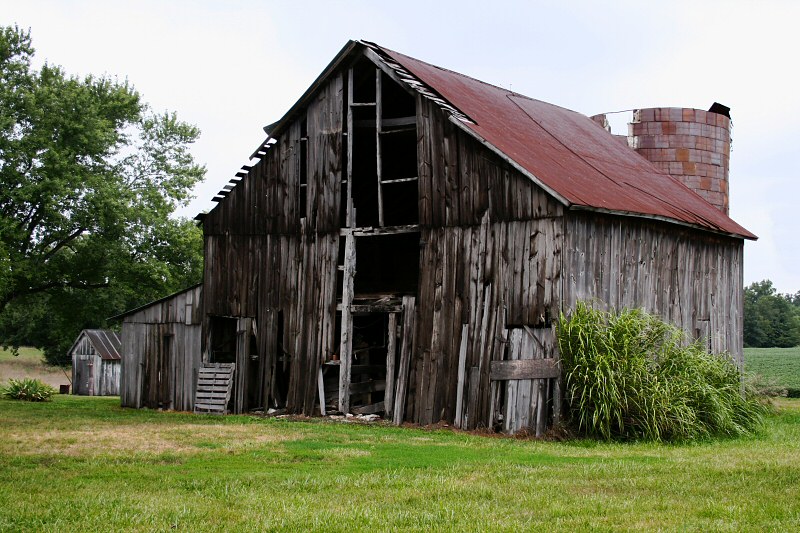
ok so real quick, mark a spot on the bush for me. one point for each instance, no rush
(31, 390)
(629, 375)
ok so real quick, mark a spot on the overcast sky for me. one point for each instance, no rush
(231, 67)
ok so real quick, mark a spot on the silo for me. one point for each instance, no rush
(690, 144)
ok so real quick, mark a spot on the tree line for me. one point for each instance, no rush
(771, 319)
(90, 177)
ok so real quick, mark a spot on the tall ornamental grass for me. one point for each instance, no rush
(630, 375)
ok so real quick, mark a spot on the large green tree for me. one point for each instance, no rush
(770, 319)
(89, 177)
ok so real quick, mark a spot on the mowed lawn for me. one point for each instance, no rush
(85, 464)
(780, 364)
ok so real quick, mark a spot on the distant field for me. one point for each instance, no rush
(782, 364)
(29, 364)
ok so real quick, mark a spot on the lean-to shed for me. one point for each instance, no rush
(161, 352)
(96, 363)
(406, 235)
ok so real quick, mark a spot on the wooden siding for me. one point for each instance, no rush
(264, 259)
(688, 277)
(490, 260)
(161, 351)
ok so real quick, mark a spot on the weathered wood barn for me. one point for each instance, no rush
(96, 363)
(162, 347)
(407, 235)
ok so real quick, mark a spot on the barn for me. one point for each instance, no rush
(406, 236)
(96, 363)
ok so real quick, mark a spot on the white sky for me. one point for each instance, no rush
(230, 67)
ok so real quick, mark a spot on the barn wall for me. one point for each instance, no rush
(266, 255)
(490, 261)
(150, 377)
(108, 377)
(690, 278)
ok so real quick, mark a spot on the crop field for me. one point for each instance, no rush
(780, 364)
(85, 464)
(29, 364)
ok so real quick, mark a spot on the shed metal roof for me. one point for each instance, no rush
(106, 343)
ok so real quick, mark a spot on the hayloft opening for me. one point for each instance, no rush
(391, 264)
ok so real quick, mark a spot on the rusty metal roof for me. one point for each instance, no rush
(563, 151)
(105, 342)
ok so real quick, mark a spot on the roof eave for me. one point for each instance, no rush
(660, 218)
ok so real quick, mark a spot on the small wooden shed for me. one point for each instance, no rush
(96, 363)
(161, 347)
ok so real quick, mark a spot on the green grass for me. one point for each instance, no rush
(780, 364)
(83, 463)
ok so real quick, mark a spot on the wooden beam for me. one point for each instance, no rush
(376, 308)
(346, 349)
(406, 347)
(349, 214)
(391, 349)
(524, 369)
(369, 409)
(378, 161)
(462, 363)
(321, 390)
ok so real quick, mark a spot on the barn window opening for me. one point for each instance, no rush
(391, 264)
(223, 340)
(382, 140)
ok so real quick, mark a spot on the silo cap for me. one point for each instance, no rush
(720, 109)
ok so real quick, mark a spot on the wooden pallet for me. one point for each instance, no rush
(214, 384)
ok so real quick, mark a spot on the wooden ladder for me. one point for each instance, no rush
(213, 392)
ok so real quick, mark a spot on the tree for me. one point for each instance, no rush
(89, 177)
(770, 319)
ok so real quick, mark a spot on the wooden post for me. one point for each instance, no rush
(406, 346)
(346, 350)
(391, 349)
(462, 363)
(350, 216)
(321, 389)
(378, 125)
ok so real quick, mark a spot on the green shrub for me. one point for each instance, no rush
(629, 375)
(31, 390)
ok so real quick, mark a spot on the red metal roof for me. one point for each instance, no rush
(566, 152)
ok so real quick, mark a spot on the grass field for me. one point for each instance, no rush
(29, 364)
(82, 463)
(781, 364)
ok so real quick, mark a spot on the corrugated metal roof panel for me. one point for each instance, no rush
(567, 152)
(105, 342)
